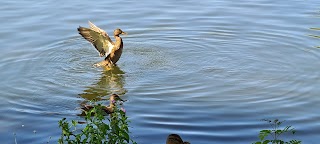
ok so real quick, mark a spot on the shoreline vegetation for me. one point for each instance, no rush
(98, 127)
(113, 128)
(271, 136)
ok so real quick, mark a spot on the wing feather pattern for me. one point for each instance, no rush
(101, 31)
(98, 37)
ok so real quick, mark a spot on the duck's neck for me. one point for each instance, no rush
(118, 40)
(112, 102)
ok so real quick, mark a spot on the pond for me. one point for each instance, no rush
(207, 70)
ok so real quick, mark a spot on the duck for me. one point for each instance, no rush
(103, 43)
(107, 109)
(175, 139)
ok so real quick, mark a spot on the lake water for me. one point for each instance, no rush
(207, 70)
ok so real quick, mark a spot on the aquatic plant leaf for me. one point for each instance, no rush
(264, 133)
(266, 142)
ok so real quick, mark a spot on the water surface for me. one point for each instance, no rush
(207, 70)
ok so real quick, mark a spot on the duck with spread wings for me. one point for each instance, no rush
(102, 42)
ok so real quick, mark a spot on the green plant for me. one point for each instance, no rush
(96, 130)
(119, 127)
(275, 132)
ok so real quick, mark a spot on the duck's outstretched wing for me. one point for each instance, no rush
(98, 37)
(99, 30)
(97, 40)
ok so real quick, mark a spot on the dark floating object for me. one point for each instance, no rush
(102, 42)
(82, 122)
(107, 109)
(175, 139)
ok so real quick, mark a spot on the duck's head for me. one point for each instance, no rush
(175, 139)
(115, 97)
(118, 31)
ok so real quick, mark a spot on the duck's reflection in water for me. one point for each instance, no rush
(111, 81)
(107, 109)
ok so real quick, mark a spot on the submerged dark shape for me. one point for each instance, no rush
(107, 109)
(102, 42)
(175, 139)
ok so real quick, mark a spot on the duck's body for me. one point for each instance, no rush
(117, 50)
(102, 42)
(107, 109)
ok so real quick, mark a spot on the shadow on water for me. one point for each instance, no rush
(111, 81)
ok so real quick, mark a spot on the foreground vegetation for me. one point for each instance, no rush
(96, 129)
(271, 136)
(115, 130)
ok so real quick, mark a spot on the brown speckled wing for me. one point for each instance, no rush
(101, 31)
(98, 41)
